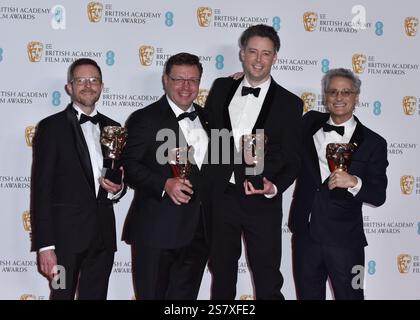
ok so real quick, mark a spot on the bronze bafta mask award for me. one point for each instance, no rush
(339, 156)
(179, 160)
(114, 139)
(253, 150)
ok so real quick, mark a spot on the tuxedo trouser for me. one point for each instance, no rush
(234, 216)
(314, 263)
(86, 273)
(170, 274)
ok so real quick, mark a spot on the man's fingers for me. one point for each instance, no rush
(251, 187)
(187, 183)
(175, 200)
(182, 197)
(110, 186)
(186, 189)
(246, 187)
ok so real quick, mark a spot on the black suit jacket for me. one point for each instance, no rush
(336, 216)
(280, 117)
(153, 219)
(65, 210)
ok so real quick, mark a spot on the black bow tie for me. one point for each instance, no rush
(84, 118)
(192, 115)
(327, 128)
(248, 90)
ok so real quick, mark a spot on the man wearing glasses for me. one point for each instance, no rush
(326, 212)
(73, 226)
(166, 223)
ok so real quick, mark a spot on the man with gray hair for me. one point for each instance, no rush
(326, 212)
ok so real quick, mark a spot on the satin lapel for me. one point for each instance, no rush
(170, 122)
(357, 137)
(107, 163)
(234, 87)
(313, 155)
(267, 105)
(203, 119)
(206, 128)
(81, 146)
(227, 122)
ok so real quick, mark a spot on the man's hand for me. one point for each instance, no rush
(111, 187)
(47, 260)
(237, 75)
(176, 188)
(268, 187)
(341, 179)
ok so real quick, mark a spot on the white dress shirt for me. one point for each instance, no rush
(243, 112)
(193, 131)
(322, 139)
(92, 134)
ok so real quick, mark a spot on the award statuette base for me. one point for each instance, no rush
(114, 175)
(257, 181)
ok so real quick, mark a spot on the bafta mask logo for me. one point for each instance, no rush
(358, 62)
(411, 25)
(309, 100)
(29, 135)
(407, 184)
(27, 296)
(35, 50)
(246, 297)
(201, 97)
(310, 20)
(204, 15)
(404, 263)
(146, 54)
(409, 105)
(94, 10)
(26, 219)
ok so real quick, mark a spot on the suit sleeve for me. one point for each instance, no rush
(43, 168)
(375, 181)
(138, 174)
(287, 154)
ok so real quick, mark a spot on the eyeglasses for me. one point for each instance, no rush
(181, 81)
(93, 81)
(345, 93)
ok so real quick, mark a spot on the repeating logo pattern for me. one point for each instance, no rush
(411, 26)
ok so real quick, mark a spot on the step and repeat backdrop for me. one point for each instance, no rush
(131, 40)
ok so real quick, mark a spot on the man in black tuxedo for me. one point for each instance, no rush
(166, 223)
(73, 223)
(254, 103)
(326, 213)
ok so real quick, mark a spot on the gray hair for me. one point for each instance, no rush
(340, 72)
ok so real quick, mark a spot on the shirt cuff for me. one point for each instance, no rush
(47, 248)
(355, 190)
(116, 196)
(272, 195)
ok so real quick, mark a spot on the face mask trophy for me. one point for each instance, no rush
(113, 138)
(339, 156)
(253, 148)
(179, 160)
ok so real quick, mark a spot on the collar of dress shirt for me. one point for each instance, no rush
(177, 110)
(348, 125)
(80, 111)
(264, 86)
